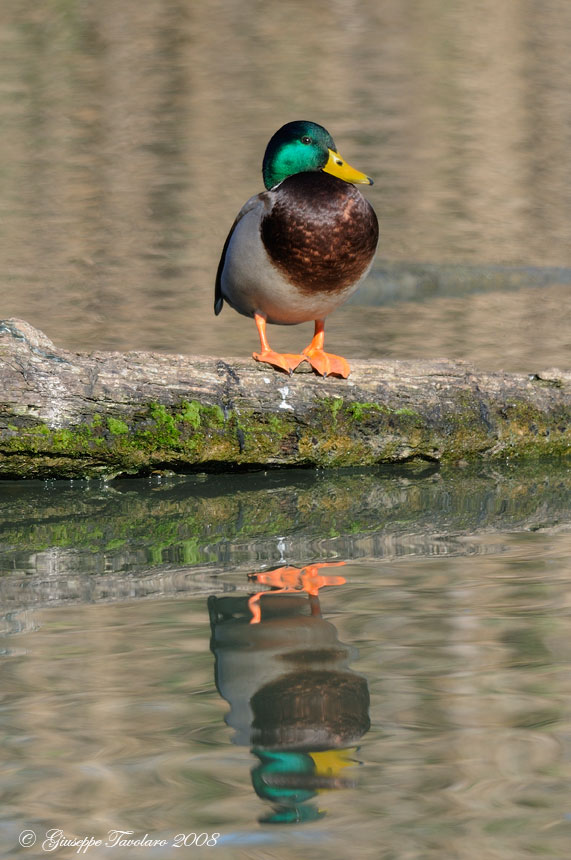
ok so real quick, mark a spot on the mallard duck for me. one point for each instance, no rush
(299, 249)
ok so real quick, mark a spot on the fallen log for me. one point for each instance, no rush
(69, 415)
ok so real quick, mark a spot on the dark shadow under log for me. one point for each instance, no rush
(64, 414)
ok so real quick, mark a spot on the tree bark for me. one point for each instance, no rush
(65, 414)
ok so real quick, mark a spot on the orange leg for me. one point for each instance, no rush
(325, 363)
(285, 361)
(254, 603)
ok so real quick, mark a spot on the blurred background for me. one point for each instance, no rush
(133, 132)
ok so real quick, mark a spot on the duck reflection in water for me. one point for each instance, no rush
(293, 698)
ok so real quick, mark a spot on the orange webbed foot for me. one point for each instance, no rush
(312, 581)
(282, 360)
(323, 362)
(288, 580)
(327, 364)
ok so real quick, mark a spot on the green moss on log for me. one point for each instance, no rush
(333, 432)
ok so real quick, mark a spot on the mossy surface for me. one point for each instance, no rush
(332, 432)
(186, 520)
(186, 436)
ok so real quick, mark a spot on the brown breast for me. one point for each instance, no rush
(321, 232)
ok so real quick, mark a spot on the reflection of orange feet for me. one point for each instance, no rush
(282, 578)
(284, 360)
(286, 580)
(311, 581)
(326, 363)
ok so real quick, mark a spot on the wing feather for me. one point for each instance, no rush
(250, 204)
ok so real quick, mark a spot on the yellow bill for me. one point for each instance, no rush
(339, 167)
(331, 762)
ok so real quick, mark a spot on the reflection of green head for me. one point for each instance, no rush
(280, 778)
(292, 815)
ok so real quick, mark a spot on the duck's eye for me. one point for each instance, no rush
(306, 139)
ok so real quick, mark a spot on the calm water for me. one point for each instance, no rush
(420, 709)
(133, 132)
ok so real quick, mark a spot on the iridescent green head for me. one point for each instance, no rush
(303, 146)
